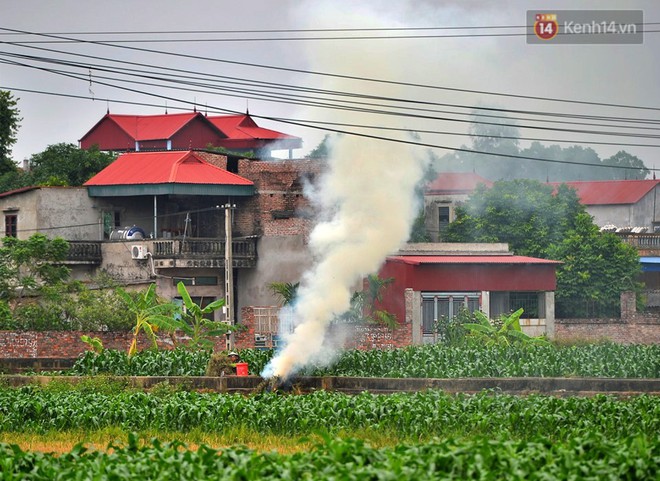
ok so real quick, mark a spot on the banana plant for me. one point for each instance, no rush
(150, 314)
(508, 333)
(193, 323)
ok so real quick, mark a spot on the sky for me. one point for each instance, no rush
(231, 44)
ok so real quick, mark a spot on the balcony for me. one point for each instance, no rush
(203, 252)
(84, 252)
(646, 244)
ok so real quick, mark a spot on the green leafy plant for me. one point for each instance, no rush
(93, 342)
(505, 331)
(150, 314)
(193, 323)
(284, 291)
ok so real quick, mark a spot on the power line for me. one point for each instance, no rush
(426, 117)
(280, 86)
(270, 96)
(335, 75)
(319, 122)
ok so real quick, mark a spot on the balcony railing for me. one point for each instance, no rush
(641, 241)
(84, 252)
(245, 249)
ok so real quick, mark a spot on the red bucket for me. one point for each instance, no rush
(241, 368)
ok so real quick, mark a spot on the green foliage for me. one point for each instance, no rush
(596, 268)
(364, 307)
(522, 213)
(322, 150)
(66, 164)
(176, 362)
(26, 265)
(193, 323)
(9, 123)
(150, 314)
(100, 403)
(505, 332)
(572, 163)
(95, 344)
(284, 291)
(451, 331)
(588, 457)
(432, 361)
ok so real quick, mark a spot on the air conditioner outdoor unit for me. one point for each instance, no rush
(138, 252)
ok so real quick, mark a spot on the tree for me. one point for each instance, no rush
(321, 151)
(66, 164)
(596, 267)
(525, 214)
(9, 122)
(626, 166)
(31, 264)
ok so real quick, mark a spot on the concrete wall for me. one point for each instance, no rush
(66, 212)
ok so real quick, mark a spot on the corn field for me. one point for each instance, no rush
(431, 361)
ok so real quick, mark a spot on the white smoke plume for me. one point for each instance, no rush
(367, 204)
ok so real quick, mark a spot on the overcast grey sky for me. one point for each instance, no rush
(617, 74)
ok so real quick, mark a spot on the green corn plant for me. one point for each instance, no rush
(150, 314)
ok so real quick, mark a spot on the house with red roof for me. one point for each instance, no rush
(442, 195)
(620, 204)
(432, 283)
(186, 131)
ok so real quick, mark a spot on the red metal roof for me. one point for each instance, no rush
(491, 259)
(242, 127)
(456, 183)
(152, 127)
(608, 192)
(165, 167)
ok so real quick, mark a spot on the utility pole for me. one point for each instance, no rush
(229, 272)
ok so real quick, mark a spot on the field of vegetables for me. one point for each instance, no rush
(429, 435)
(401, 436)
(431, 361)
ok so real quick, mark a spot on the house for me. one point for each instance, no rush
(443, 194)
(186, 131)
(620, 204)
(431, 281)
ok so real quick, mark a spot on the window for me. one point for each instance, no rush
(443, 217)
(11, 225)
(111, 221)
(529, 301)
(437, 306)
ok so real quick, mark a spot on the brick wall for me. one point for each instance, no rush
(638, 329)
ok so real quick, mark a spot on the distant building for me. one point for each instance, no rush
(186, 131)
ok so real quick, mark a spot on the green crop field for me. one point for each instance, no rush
(99, 429)
(437, 361)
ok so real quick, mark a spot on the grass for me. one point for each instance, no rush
(60, 442)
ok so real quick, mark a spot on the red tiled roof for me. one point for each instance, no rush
(166, 167)
(242, 127)
(609, 192)
(456, 182)
(491, 259)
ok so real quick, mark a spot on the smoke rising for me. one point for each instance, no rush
(366, 201)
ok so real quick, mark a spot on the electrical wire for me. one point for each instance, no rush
(332, 75)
